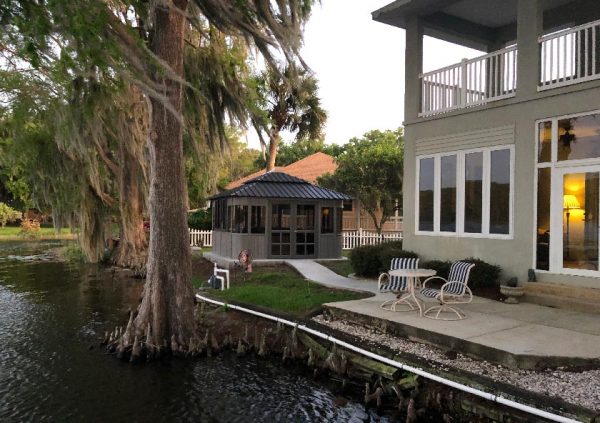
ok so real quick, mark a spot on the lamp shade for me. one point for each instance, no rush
(570, 202)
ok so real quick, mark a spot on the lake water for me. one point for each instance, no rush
(52, 316)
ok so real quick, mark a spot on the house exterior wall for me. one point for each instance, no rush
(509, 121)
(505, 122)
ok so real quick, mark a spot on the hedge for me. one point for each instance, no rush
(371, 260)
(200, 220)
(482, 275)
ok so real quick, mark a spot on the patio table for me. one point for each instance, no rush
(412, 281)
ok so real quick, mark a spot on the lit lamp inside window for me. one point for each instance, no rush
(569, 203)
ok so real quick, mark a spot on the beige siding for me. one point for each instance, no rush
(466, 140)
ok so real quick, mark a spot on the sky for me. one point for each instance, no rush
(360, 67)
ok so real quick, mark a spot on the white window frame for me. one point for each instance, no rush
(460, 193)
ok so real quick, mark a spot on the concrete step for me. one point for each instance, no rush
(567, 297)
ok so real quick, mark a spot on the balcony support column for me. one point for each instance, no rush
(529, 29)
(413, 68)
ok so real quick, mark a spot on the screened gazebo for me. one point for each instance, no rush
(278, 216)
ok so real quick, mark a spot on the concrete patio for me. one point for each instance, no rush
(521, 335)
(517, 335)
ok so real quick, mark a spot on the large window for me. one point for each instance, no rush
(448, 194)
(466, 193)
(500, 192)
(426, 193)
(473, 192)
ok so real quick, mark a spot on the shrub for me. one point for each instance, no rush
(200, 220)
(371, 260)
(30, 228)
(8, 214)
(365, 260)
(483, 274)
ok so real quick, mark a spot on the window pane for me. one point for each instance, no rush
(229, 221)
(543, 220)
(240, 221)
(580, 220)
(473, 191)
(305, 217)
(448, 194)
(281, 216)
(327, 220)
(426, 186)
(339, 219)
(579, 137)
(500, 192)
(544, 142)
(257, 220)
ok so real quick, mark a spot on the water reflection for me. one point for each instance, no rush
(51, 368)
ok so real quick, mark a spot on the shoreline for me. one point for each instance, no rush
(50, 237)
(492, 381)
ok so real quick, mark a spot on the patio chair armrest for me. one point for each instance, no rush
(431, 278)
(380, 280)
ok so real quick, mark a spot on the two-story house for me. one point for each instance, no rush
(502, 154)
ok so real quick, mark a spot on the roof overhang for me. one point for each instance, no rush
(482, 24)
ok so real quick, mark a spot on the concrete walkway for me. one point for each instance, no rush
(316, 272)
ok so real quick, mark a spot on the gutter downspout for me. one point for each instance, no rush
(416, 370)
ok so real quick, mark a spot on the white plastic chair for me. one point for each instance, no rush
(453, 291)
(224, 279)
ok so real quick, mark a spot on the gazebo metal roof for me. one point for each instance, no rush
(281, 185)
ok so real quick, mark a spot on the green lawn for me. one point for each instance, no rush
(281, 289)
(14, 232)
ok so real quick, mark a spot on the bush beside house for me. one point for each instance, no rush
(371, 260)
(201, 220)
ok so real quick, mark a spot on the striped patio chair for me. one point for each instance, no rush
(453, 291)
(396, 284)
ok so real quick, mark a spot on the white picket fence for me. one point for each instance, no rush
(203, 238)
(353, 239)
(350, 239)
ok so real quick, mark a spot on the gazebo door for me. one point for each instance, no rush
(304, 231)
(281, 240)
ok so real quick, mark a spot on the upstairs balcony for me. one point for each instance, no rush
(567, 57)
(532, 46)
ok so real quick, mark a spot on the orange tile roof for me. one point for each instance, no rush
(308, 168)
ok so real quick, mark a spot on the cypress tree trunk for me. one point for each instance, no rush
(167, 303)
(132, 251)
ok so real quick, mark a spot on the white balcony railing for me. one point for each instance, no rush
(470, 82)
(570, 56)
